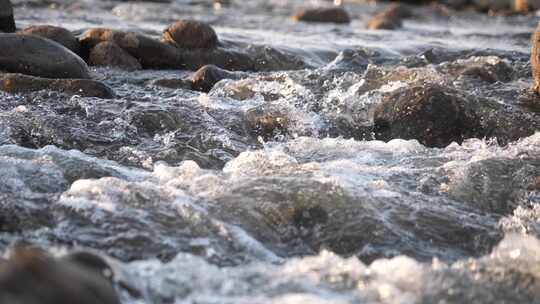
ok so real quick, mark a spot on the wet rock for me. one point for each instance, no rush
(172, 83)
(389, 19)
(206, 77)
(51, 281)
(19, 83)
(349, 60)
(430, 114)
(57, 34)
(223, 58)
(525, 6)
(152, 54)
(111, 55)
(267, 121)
(491, 5)
(535, 59)
(54, 61)
(190, 34)
(7, 22)
(322, 14)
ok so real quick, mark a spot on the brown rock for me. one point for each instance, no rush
(152, 54)
(57, 34)
(19, 55)
(267, 121)
(223, 58)
(207, 76)
(111, 55)
(389, 19)
(7, 22)
(18, 83)
(526, 6)
(33, 277)
(535, 59)
(322, 14)
(190, 34)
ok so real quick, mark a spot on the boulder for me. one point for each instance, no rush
(37, 56)
(190, 34)
(109, 54)
(57, 34)
(390, 18)
(151, 53)
(206, 77)
(430, 114)
(18, 83)
(322, 14)
(7, 22)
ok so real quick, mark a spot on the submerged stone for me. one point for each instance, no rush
(190, 34)
(54, 61)
(57, 34)
(430, 114)
(322, 14)
(18, 83)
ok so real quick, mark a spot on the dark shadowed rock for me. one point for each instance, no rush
(57, 34)
(172, 83)
(7, 22)
(151, 53)
(389, 19)
(535, 59)
(224, 58)
(207, 76)
(19, 83)
(32, 277)
(18, 55)
(322, 14)
(430, 114)
(190, 34)
(111, 55)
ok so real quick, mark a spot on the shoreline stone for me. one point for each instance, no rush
(18, 83)
(19, 55)
(109, 54)
(56, 34)
(190, 34)
(151, 53)
(323, 15)
(7, 21)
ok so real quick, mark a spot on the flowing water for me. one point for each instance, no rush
(272, 188)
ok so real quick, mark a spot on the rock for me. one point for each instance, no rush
(526, 6)
(57, 34)
(7, 22)
(111, 55)
(535, 59)
(152, 54)
(267, 122)
(491, 5)
(190, 34)
(430, 114)
(172, 83)
(322, 14)
(54, 61)
(32, 277)
(18, 83)
(222, 58)
(390, 18)
(206, 77)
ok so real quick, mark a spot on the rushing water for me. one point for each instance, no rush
(194, 199)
